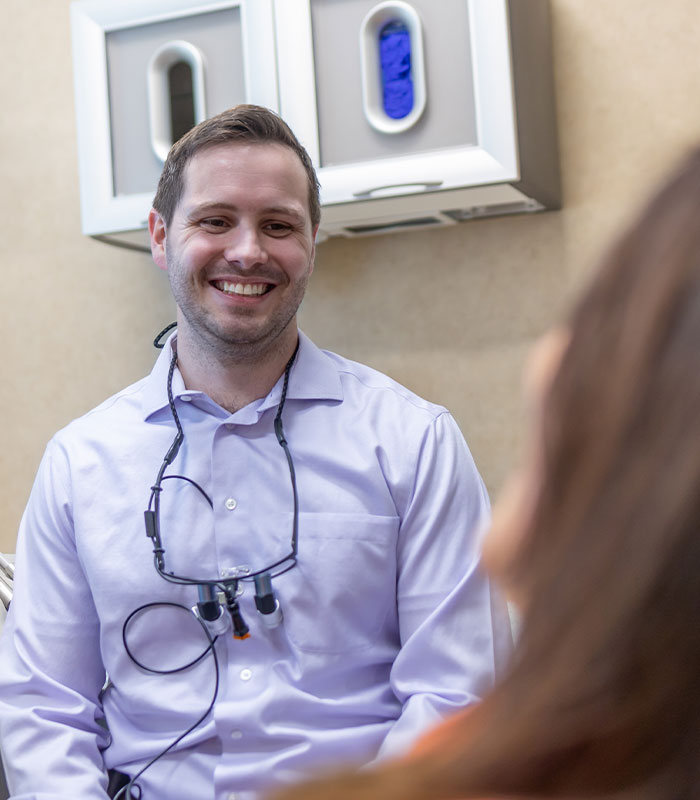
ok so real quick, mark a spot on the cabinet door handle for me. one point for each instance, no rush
(159, 96)
(425, 185)
(404, 60)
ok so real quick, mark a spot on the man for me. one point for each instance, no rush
(305, 587)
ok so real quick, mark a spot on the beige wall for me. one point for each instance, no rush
(451, 313)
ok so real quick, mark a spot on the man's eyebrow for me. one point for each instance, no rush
(287, 210)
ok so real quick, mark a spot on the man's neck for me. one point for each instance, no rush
(235, 379)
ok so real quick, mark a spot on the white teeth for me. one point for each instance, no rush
(243, 288)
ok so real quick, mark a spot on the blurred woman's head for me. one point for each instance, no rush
(604, 535)
(598, 539)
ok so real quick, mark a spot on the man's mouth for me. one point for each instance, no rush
(246, 289)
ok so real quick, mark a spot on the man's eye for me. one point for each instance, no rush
(213, 222)
(277, 228)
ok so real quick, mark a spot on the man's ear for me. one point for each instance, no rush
(156, 230)
(313, 248)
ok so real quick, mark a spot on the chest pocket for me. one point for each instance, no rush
(343, 589)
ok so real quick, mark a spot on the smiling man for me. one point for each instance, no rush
(272, 551)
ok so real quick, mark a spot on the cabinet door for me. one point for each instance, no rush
(465, 134)
(145, 71)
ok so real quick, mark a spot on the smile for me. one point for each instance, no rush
(242, 288)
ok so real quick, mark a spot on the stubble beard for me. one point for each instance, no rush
(235, 342)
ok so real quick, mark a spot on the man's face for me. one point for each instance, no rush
(240, 247)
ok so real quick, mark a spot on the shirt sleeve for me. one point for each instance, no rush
(51, 672)
(454, 627)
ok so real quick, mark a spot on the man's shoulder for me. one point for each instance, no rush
(116, 411)
(366, 383)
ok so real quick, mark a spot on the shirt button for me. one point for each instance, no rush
(246, 674)
(230, 426)
(186, 398)
(236, 734)
(231, 503)
(232, 796)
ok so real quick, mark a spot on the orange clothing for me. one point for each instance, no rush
(442, 734)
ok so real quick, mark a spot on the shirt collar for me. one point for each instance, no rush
(314, 376)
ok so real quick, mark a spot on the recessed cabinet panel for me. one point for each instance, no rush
(346, 135)
(129, 52)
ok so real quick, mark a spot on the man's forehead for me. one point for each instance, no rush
(232, 149)
(216, 162)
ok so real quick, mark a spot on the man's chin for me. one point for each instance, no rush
(249, 341)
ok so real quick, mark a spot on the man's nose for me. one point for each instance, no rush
(245, 247)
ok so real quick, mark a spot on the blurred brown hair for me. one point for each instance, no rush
(603, 696)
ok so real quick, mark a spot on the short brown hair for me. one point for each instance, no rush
(244, 124)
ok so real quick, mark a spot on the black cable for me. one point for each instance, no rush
(158, 341)
(125, 792)
(228, 587)
(152, 513)
(146, 606)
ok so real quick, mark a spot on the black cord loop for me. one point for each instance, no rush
(152, 513)
(126, 792)
(158, 341)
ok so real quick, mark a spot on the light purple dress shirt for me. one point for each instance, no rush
(388, 621)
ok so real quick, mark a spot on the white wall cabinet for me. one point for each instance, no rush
(479, 137)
